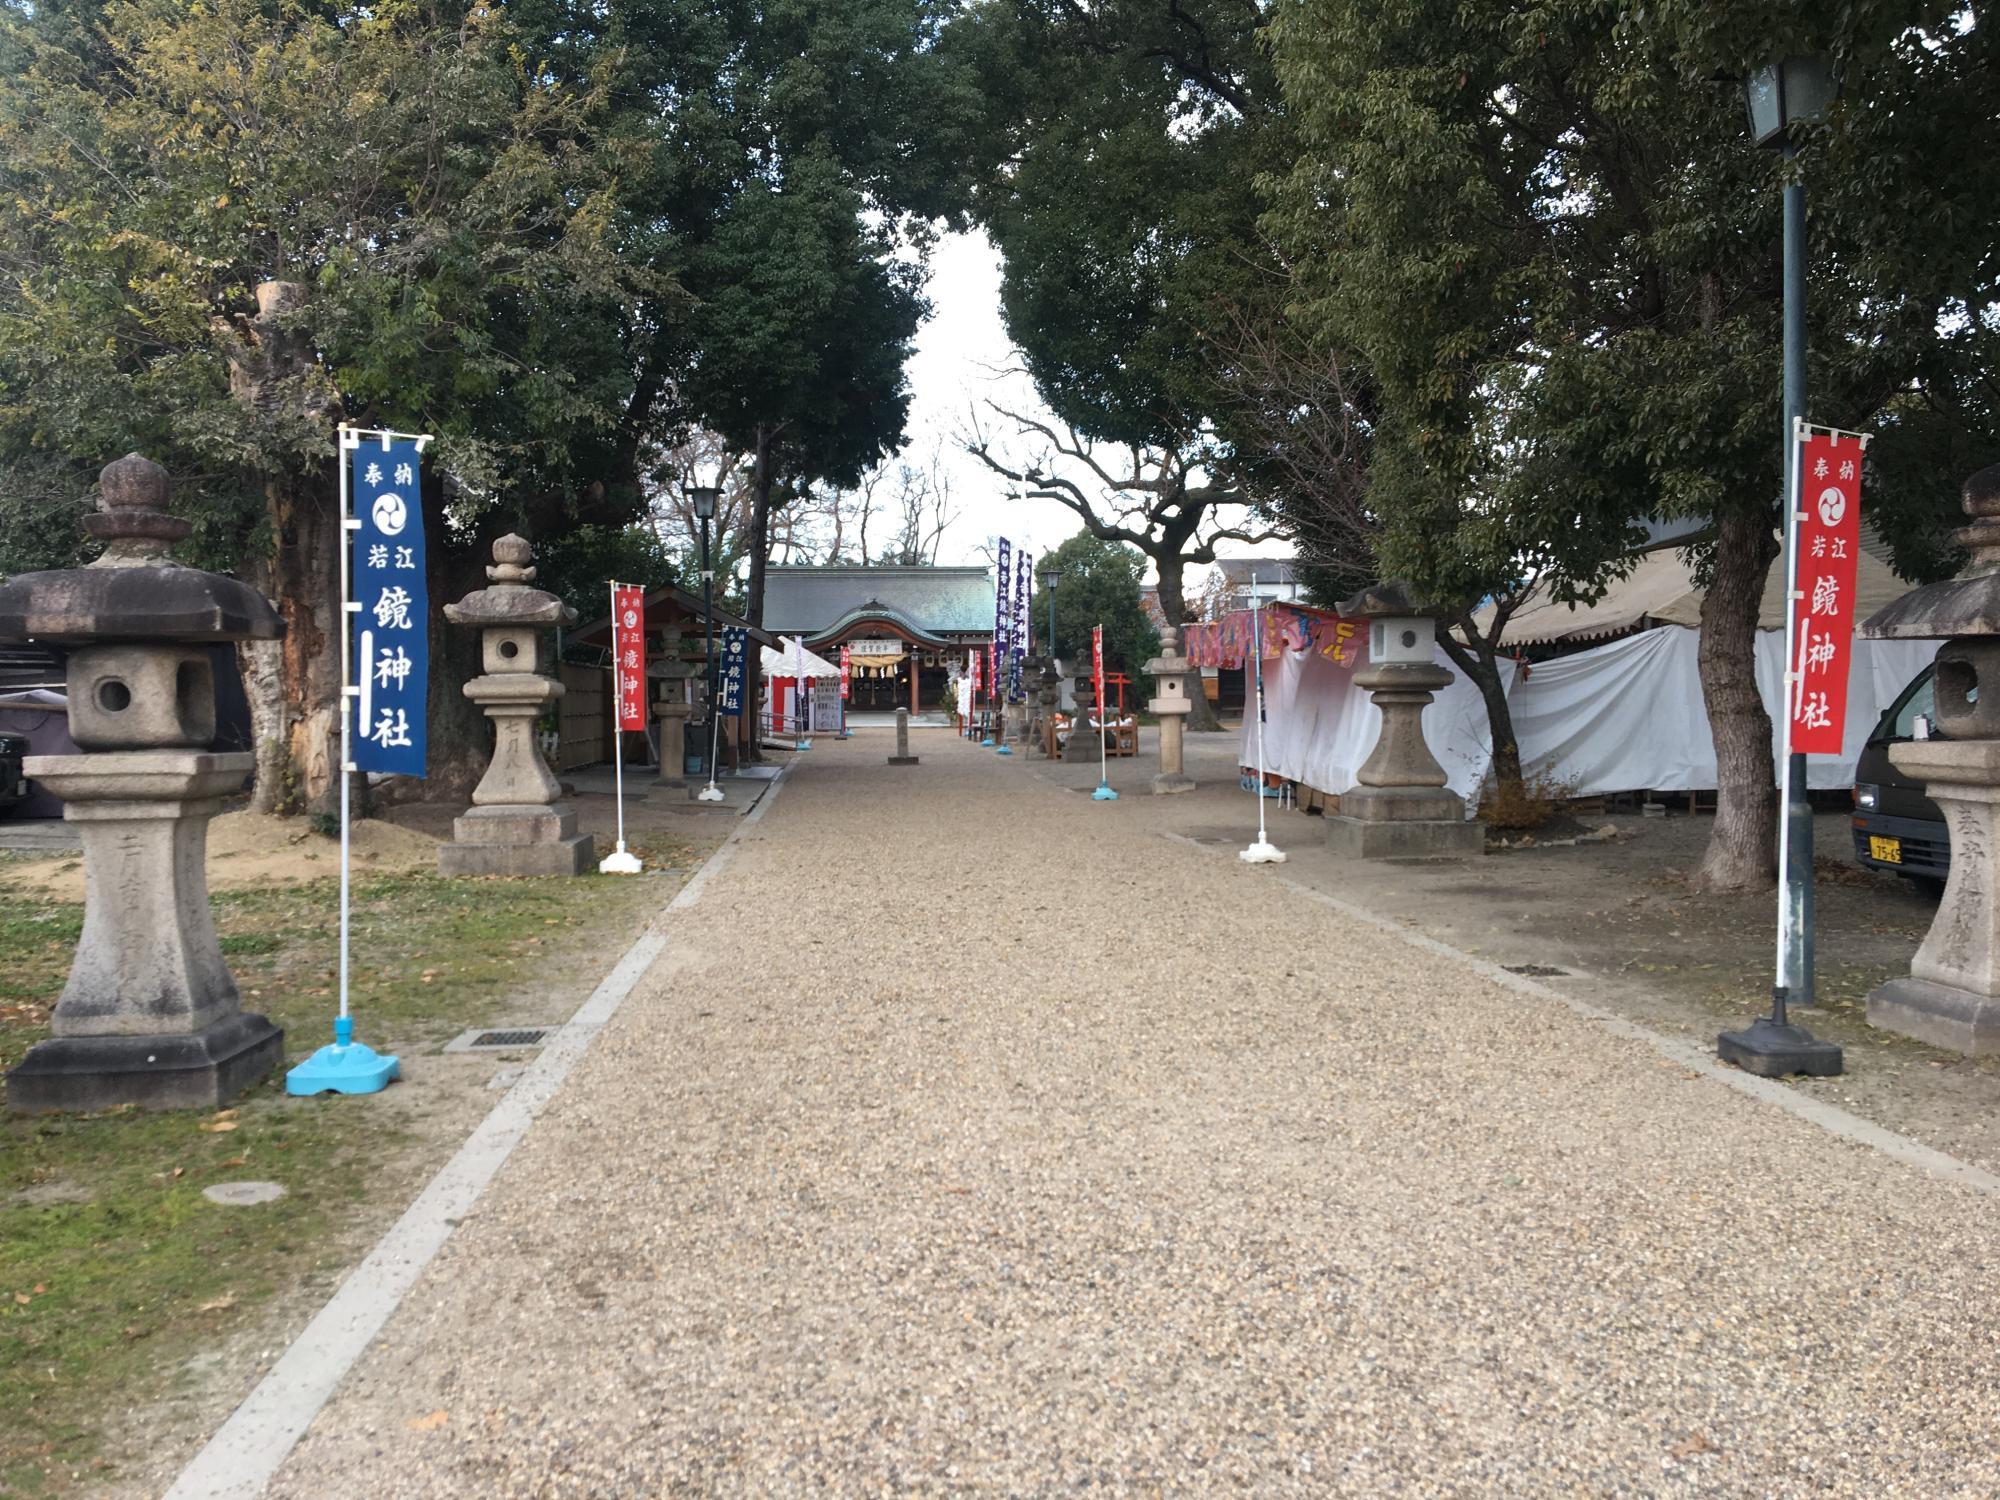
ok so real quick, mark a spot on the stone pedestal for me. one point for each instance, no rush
(515, 826)
(1951, 997)
(902, 757)
(1171, 706)
(1401, 806)
(673, 719)
(150, 1015)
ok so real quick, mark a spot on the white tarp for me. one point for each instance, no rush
(1321, 727)
(1626, 716)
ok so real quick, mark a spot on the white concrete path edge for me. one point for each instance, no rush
(251, 1446)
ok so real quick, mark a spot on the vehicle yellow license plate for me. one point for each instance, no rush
(1889, 851)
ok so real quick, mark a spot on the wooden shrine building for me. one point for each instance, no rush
(902, 626)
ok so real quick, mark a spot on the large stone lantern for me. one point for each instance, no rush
(1402, 806)
(673, 711)
(1951, 997)
(1172, 706)
(515, 825)
(150, 1015)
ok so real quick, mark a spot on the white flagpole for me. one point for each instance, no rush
(1263, 852)
(618, 862)
(349, 440)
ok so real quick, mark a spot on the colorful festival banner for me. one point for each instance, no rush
(1003, 602)
(1828, 545)
(628, 652)
(735, 641)
(1285, 628)
(846, 671)
(1097, 668)
(390, 636)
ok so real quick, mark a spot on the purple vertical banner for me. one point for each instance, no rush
(1023, 571)
(1002, 613)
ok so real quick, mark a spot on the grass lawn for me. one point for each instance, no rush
(114, 1270)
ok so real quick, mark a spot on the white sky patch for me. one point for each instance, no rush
(963, 359)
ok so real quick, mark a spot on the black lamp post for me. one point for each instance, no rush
(703, 498)
(1781, 95)
(1050, 578)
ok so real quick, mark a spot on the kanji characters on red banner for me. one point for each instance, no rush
(1097, 666)
(1829, 539)
(846, 667)
(628, 648)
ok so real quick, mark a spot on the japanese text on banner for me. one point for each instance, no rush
(1097, 666)
(735, 646)
(390, 637)
(846, 667)
(628, 649)
(1003, 603)
(1829, 540)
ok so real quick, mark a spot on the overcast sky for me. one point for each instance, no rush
(963, 359)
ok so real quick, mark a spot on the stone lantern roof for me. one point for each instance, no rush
(1392, 599)
(510, 601)
(1963, 606)
(136, 590)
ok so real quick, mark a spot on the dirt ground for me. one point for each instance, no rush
(1620, 923)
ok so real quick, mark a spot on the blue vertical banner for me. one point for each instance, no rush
(390, 636)
(1023, 570)
(735, 646)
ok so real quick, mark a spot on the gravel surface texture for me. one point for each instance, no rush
(970, 1135)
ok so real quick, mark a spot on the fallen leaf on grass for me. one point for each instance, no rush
(235, 1161)
(216, 1127)
(24, 1298)
(430, 1423)
(219, 1304)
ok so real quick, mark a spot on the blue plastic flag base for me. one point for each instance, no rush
(1103, 793)
(1004, 750)
(345, 1067)
(987, 743)
(803, 745)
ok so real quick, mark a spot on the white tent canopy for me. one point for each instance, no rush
(784, 661)
(1621, 717)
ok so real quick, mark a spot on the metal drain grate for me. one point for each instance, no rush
(499, 1041)
(1536, 971)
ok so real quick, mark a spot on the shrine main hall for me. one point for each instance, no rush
(903, 627)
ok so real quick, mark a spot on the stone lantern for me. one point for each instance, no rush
(1951, 997)
(1401, 807)
(515, 825)
(150, 1015)
(671, 707)
(1046, 701)
(1082, 745)
(1171, 705)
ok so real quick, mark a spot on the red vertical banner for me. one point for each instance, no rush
(1097, 668)
(1829, 541)
(977, 662)
(846, 665)
(628, 650)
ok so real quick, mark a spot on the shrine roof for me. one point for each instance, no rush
(936, 601)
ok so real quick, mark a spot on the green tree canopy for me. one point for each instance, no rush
(1099, 585)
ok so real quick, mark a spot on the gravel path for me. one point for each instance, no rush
(970, 1135)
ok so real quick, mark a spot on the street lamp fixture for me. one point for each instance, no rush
(1050, 577)
(703, 497)
(1796, 91)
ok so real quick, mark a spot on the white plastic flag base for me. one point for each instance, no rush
(619, 863)
(1263, 852)
(711, 793)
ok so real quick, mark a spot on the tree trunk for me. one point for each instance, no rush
(1742, 846)
(460, 734)
(1481, 665)
(1173, 604)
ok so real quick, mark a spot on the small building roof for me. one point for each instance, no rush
(935, 601)
(1237, 570)
(669, 599)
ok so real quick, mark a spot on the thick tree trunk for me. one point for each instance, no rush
(461, 736)
(1173, 604)
(1742, 846)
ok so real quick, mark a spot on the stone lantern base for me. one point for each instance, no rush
(520, 839)
(1951, 996)
(150, 1016)
(1404, 823)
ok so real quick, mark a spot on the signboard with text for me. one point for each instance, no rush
(734, 642)
(391, 634)
(846, 669)
(1828, 544)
